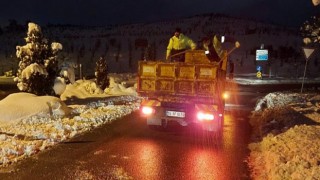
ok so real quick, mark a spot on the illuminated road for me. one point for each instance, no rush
(128, 149)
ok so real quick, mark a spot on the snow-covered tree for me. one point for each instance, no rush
(311, 31)
(38, 66)
(316, 2)
(67, 72)
(101, 73)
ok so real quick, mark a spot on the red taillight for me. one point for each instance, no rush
(146, 110)
(204, 116)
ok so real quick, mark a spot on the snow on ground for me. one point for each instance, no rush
(29, 123)
(286, 131)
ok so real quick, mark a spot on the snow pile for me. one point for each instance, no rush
(83, 89)
(286, 132)
(30, 123)
(36, 133)
(115, 88)
(22, 105)
(278, 99)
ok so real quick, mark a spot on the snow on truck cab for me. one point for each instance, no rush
(189, 92)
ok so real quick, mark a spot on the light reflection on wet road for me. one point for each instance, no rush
(175, 154)
(128, 149)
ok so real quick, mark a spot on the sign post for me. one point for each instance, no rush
(307, 54)
(261, 55)
(259, 72)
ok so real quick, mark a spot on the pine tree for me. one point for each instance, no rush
(310, 31)
(101, 73)
(38, 66)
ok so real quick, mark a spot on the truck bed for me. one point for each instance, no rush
(195, 81)
(177, 79)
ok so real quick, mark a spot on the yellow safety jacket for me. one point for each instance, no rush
(181, 43)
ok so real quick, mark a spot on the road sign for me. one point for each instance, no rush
(259, 74)
(261, 54)
(259, 68)
(308, 52)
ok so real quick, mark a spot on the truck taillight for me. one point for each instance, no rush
(205, 116)
(147, 110)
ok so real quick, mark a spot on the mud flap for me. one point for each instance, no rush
(154, 121)
(164, 123)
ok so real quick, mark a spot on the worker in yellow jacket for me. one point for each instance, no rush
(179, 43)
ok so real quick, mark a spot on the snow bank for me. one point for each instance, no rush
(22, 105)
(30, 123)
(82, 89)
(286, 132)
(36, 133)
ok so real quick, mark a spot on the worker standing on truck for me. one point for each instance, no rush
(179, 43)
(213, 47)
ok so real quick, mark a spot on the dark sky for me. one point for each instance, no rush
(104, 12)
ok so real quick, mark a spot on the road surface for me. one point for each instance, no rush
(128, 149)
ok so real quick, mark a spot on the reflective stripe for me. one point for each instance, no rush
(150, 103)
(206, 107)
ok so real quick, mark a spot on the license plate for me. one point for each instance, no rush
(175, 114)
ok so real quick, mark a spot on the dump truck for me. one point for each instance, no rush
(187, 93)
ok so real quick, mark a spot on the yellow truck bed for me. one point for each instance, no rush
(177, 78)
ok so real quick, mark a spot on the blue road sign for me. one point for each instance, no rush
(259, 68)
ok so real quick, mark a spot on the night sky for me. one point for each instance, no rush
(106, 12)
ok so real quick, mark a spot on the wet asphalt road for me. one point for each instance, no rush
(128, 149)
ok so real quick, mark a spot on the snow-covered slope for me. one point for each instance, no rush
(124, 45)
